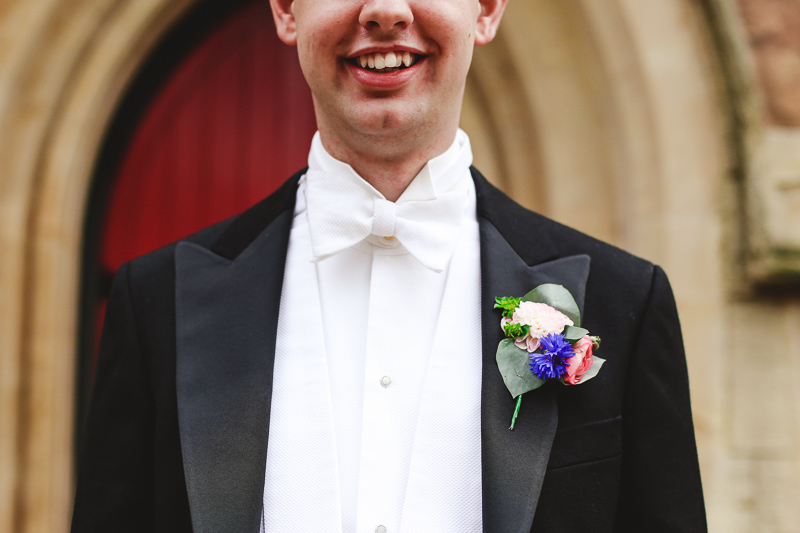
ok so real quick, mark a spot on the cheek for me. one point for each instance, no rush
(455, 40)
(446, 20)
(315, 56)
(322, 24)
(314, 40)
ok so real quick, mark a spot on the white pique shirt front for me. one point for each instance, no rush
(375, 415)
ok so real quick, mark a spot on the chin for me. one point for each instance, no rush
(396, 119)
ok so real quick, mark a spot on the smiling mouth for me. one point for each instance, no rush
(385, 62)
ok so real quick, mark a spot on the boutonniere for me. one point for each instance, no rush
(545, 342)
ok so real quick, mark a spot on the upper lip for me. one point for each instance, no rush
(385, 49)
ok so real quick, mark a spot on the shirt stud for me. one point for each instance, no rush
(390, 238)
(386, 381)
(380, 529)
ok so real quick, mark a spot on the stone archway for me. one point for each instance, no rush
(613, 106)
(63, 70)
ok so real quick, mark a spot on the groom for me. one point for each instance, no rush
(325, 361)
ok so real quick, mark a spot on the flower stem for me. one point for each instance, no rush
(516, 411)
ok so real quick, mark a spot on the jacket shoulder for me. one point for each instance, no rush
(526, 230)
(226, 238)
(163, 259)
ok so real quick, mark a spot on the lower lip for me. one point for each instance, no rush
(388, 80)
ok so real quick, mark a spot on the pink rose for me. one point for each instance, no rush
(580, 362)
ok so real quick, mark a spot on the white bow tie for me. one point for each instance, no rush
(343, 212)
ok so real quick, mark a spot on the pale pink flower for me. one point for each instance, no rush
(527, 343)
(542, 320)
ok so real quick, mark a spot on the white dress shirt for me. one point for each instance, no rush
(375, 416)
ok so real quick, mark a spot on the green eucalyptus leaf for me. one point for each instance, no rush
(514, 365)
(597, 363)
(572, 334)
(557, 297)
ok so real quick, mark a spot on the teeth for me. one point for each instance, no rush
(380, 61)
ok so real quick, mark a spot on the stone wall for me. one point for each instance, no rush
(773, 27)
(772, 148)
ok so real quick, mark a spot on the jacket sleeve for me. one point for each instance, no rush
(115, 481)
(661, 489)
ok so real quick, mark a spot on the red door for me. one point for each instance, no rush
(232, 120)
(229, 126)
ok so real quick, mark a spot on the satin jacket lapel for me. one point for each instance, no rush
(514, 462)
(227, 303)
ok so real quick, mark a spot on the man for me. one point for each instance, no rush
(326, 360)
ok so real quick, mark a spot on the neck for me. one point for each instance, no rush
(388, 165)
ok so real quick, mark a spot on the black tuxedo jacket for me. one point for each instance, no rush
(179, 422)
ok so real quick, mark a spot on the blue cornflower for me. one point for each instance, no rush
(551, 364)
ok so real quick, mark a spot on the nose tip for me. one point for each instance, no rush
(386, 14)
